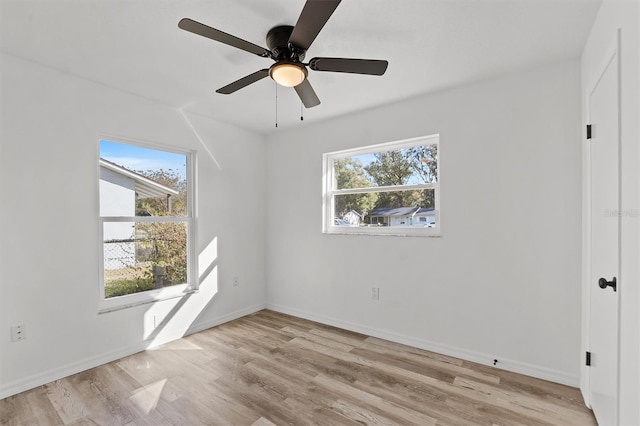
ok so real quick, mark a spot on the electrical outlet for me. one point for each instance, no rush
(18, 332)
(236, 281)
(375, 293)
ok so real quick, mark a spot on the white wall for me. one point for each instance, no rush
(500, 283)
(49, 244)
(624, 15)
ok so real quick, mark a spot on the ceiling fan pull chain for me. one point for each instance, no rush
(301, 116)
(276, 104)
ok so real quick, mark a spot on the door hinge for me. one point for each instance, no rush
(588, 131)
(588, 360)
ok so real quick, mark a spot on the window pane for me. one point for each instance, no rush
(415, 208)
(407, 166)
(137, 181)
(141, 256)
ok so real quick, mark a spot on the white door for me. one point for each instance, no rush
(605, 237)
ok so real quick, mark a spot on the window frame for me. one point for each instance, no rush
(115, 303)
(330, 191)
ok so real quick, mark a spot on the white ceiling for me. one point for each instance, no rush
(136, 46)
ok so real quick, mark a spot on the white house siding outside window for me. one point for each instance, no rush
(391, 188)
(146, 218)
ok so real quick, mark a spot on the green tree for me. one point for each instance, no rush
(424, 161)
(350, 173)
(158, 206)
(393, 168)
(168, 248)
(401, 167)
(166, 241)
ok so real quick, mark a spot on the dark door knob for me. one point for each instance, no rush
(603, 283)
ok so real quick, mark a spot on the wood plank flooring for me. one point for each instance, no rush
(269, 368)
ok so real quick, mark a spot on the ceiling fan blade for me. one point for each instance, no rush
(355, 66)
(314, 15)
(243, 82)
(307, 94)
(222, 37)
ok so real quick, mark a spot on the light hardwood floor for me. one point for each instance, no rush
(269, 368)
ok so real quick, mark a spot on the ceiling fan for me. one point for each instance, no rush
(287, 47)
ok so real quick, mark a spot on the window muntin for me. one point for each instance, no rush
(390, 188)
(146, 209)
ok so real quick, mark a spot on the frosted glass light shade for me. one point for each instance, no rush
(288, 75)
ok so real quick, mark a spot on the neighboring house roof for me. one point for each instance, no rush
(401, 211)
(144, 187)
(424, 211)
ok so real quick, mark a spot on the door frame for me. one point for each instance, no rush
(611, 53)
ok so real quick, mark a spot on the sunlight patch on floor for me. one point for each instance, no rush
(147, 397)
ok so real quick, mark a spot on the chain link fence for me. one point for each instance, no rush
(139, 264)
(119, 254)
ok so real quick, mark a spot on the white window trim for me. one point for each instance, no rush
(106, 305)
(329, 192)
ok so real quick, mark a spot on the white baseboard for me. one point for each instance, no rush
(36, 380)
(197, 327)
(58, 373)
(49, 376)
(473, 356)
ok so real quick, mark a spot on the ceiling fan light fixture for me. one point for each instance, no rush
(288, 74)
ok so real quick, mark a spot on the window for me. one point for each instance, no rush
(391, 188)
(146, 210)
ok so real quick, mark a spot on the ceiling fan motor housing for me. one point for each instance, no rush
(278, 44)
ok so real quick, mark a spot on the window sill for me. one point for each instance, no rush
(132, 300)
(385, 231)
